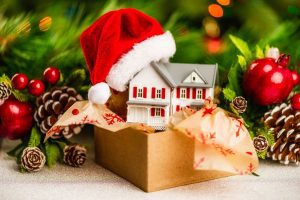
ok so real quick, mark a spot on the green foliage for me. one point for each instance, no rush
(242, 46)
(229, 94)
(259, 52)
(53, 153)
(35, 138)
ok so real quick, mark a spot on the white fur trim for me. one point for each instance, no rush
(156, 48)
(99, 93)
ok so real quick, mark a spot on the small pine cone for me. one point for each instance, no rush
(260, 143)
(5, 92)
(239, 104)
(32, 159)
(75, 155)
(284, 122)
(51, 106)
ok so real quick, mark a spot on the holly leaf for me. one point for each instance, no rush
(35, 138)
(6, 80)
(229, 94)
(242, 46)
(235, 78)
(20, 96)
(242, 61)
(259, 52)
(16, 151)
(52, 153)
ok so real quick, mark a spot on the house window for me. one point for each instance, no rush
(199, 94)
(183, 93)
(140, 93)
(194, 78)
(158, 94)
(157, 112)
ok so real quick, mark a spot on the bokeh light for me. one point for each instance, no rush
(45, 23)
(211, 27)
(224, 2)
(215, 10)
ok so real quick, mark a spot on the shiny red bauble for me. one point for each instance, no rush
(296, 77)
(16, 119)
(295, 102)
(36, 87)
(268, 81)
(19, 81)
(51, 75)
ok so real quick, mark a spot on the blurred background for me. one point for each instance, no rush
(40, 33)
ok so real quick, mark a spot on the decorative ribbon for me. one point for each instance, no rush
(221, 142)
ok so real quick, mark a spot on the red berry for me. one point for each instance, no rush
(19, 81)
(36, 87)
(52, 75)
(295, 101)
(296, 77)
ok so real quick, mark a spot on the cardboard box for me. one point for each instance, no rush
(150, 161)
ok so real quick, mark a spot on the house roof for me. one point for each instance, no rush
(175, 73)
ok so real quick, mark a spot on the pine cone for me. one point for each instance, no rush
(239, 104)
(284, 122)
(50, 107)
(5, 92)
(32, 159)
(75, 155)
(260, 143)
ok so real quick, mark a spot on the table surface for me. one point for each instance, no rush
(276, 181)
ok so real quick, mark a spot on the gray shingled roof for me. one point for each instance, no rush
(175, 73)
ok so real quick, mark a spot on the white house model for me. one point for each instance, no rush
(162, 89)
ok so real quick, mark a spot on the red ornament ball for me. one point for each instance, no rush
(268, 81)
(16, 119)
(51, 75)
(295, 101)
(36, 87)
(19, 81)
(296, 77)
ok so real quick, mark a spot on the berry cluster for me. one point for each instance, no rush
(36, 87)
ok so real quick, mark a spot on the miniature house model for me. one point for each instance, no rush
(162, 89)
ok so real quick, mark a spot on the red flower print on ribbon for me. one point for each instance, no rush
(209, 107)
(223, 150)
(239, 126)
(112, 118)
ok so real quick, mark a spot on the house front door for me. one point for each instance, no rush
(140, 114)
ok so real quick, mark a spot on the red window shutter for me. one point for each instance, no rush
(153, 93)
(188, 93)
(162, 112)
(194, 93)
(134, 92)
(163, 93)
(178, 93)
(204, 93)
(177, 108)
(144, 92)
(152, 112)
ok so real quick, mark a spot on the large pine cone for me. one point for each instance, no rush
(75, 155)
(284, 122)
(50, 107)
(5, 92)
(32, 159)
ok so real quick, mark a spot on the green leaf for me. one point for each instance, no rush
(6, 80)
(242, 46)
(255, 174)
(229, 94)
(242, 61)
(35, 138)
(20, 96)
(259, 52)
(52, 153)
(267, 48)
(16, 151)
(235, 78)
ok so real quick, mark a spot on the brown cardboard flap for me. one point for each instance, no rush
(150, 161)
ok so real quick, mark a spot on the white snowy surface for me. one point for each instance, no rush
(94, 182)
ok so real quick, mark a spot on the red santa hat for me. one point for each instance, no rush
(120, 44)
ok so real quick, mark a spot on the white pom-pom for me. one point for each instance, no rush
(99, 93)
(273, 53)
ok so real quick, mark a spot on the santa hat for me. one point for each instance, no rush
(119, 45)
